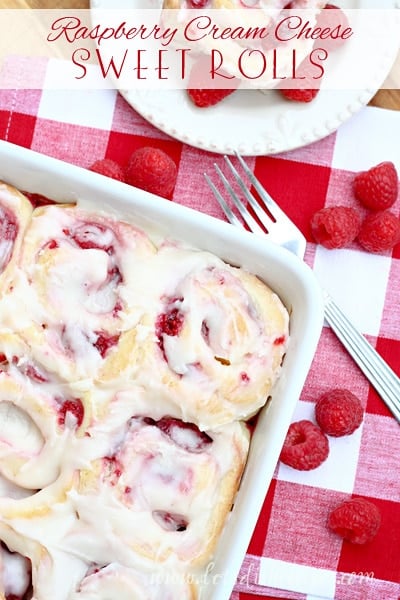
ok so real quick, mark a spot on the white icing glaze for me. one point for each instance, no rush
(127, 495)
(115, 581)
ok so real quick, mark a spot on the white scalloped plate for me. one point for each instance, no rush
(251, 122)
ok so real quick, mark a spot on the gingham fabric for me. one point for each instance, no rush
(292, 554)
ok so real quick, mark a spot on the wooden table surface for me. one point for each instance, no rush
(385, 98)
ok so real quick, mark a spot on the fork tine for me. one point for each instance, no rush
(245, 214)
(279, 227)
(269, 203)
(230, 215)
(261, 214)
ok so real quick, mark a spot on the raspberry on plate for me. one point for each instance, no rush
(335, 226)
(379, 232)
(109, 168)
(299, 94)
(152, 170)
(205, 91)
(339, 412)
(305, 86)
(203, 98)
(332, 20)
(378, 187)
(356, 520)
(306, 447)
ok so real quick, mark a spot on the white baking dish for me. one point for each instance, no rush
(282, 271)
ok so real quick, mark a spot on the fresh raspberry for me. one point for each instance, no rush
(379, 232)
(378, 187)
(305, 87)
(152, 170)
(335, 226)
(205, 90)
(109, 168)
(299, 94)
(305, 447)
(203, 98)
(356, 520)
(325, 20)
(338, 412)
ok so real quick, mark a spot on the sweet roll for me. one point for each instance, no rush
(218, 337)
(15, 214)
(77, 288)
(163, 492)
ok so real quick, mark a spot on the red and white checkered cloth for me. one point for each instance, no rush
(292, 553)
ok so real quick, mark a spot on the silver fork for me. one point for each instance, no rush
(272, 221)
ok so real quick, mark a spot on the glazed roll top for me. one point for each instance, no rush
(76, 288)
(128, 367)
(162, 492)
(116, 581)
(15, 214)
(216, 336)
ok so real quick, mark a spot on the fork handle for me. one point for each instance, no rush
(381, 376)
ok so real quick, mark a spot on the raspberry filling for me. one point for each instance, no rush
(205, 332)
(89, 236)
(169, 323)
(170, 521)
(73, 406)
(92, 236)
(30, 370)
(113, 470)
(8, 235)
(104, 342)
(185, 435)
(38, 199)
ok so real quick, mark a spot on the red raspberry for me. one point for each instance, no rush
(302, 90)
(205, 91)
(377, 188)
(73, 406)
(356, 520)
(325, 20)
(299, 94)
(38, 199)
(379, 232)
(152, 170)
(338, 412)
(104, 342)
(305, 447)
(203, 98)
(335, 226)
(198, 3)
(170, 323)
(108, 168)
